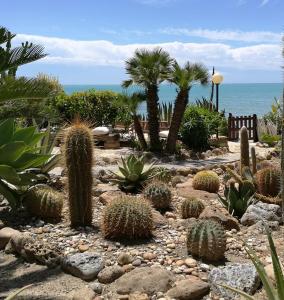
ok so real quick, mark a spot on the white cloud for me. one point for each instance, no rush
(226, 35)
(264, 2)
(106, 53)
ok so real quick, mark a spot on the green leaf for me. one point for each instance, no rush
(11, 196)
(11, 152)
(6, 131)
(24, 134)
(241, 293)
(30, 160)
(9, 174)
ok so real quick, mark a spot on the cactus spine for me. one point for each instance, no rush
(43, 201)
(253, 159)
(206, 239)
(191, 208)
(127, 217)
(206, 181)
(268, 181)
(79, 160)
(244, 145)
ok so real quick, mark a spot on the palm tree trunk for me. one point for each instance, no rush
(179, 109)
(153, 118)
(139, 132)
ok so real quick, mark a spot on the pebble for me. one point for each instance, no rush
(190, 262)
(124, 259)
(83, 248)
(149, 256)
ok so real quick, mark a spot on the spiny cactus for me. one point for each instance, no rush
(267, 199)
(268, 181)
(244, 147)
(253, 160)
(127, 217)
(191, 208)
(159, 194)
(206, 181)
(206, 239)
(43, 201)
(79, 160)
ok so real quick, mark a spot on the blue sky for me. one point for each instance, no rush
(89, 40)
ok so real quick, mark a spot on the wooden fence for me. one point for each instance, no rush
(236, 123)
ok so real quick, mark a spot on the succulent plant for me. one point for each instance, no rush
(191, 208)
(43, 201)
(133, 173)
(206, 239)
(159, 194)
(163, 174)
(79, 160)
(268, 181)
(206, 181)
(244, 147)
(127, 217)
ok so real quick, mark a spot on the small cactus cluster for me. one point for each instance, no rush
(206, 239)
(268, 181)
(43, 201)
(127, 217)
(191, 208)
(159, 194)
(206, 181)
(79, 160)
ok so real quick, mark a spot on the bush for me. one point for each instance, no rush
(194, 131)
(98, 107)
(269, 139)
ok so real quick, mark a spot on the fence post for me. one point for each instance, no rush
(254, 120)
(230, 126)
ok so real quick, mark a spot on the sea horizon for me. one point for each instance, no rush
(235, 98)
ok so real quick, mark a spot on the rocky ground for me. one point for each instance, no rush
(159, 268)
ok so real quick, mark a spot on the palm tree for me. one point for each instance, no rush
(132, 102)
(12, 88)
(184, 78)
(149, 68)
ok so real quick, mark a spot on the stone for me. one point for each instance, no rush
(191, 288)
(137, 262)
(240, 276)
(17, 242)
(106, 197)
(261, 211)
(83, 248)
(5, 235)
(158, 218)
(110, 274)
(149, 256)
(149, 280)
(124, 259)
(84, 293)
(190, 262)
(2, 225)
(104, 187)
(184, 171)
(177, 179)
(85, 265)
(224, 218)
(96, 287)
(138, 296)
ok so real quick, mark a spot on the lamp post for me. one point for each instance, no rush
(217, 79)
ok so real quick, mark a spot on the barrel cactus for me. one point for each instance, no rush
(127, 217)
(206, 181)
(43, 201)
(268, 181)
(206, 239)
(159, 194)
(191, 208)
(79, 160)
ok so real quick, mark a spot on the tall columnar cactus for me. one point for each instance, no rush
(127, 217)
(159, 194)
(206, 239)
(79, 160)
(253, 160)
(43, 201)
(206, 181)
(268, 181)
(244, 145)
(191, 208)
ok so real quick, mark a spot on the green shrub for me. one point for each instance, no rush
(98, 107)
(194, 130)
(269, 139)
(127, 217)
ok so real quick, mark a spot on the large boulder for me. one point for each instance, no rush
(85, 265)
(261, 211)
(243, 277)
(5, 234)
(191, 288)
(224, 218)
(148, 280)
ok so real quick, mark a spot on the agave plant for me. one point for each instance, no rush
(133, 173)
(18, 155)
(273, 292)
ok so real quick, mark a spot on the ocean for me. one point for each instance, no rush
(238, 99)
